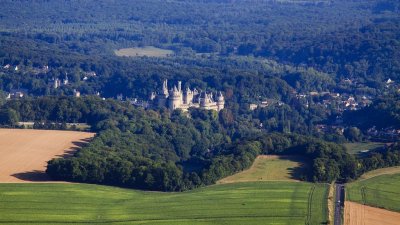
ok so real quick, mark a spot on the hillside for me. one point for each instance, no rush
(378, 191)
(374, 199)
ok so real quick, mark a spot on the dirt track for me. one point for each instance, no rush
(358, 214)
(24, 153)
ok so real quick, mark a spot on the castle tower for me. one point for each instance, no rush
(162, 96)
(152, 96)
(175, 99)
(203, 99)
(57, 83)
(220, 101)
(180, 91)
(188, 98)
(65, 81)
(165, 88)
(180, 86)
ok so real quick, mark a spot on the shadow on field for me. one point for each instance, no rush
(77, 145)
(33, 176)
(298, 172)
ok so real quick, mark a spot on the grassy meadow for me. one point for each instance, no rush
(270, 168)
(148, 51)
(359, 147)
(377, 190)
(239, 203)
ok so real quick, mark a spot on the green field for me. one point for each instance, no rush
(148, 51)
(286, 203)
(380, 191)
(358, 147)
(270, 168)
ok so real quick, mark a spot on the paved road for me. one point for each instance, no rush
(339, 203)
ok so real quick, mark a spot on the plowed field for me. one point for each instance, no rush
(24, 153)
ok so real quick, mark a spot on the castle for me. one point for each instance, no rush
(176, 98)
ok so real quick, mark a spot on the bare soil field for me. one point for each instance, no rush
(24, 153)
(358, 214)
(270, 168)
(148, 51)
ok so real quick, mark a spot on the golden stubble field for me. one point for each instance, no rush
(24, 153)
(358, 214)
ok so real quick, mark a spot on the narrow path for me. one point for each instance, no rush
(339, 203)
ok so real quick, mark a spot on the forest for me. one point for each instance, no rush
(171, 151)
(278, 52)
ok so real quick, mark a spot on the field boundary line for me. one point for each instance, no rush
(140, 220)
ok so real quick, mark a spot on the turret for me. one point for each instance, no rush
(161, 99)
(188, 97)
(175, 99)
(152, 96)
(165, 88)
(65, 81)
(57, 83)
(220, 101)
(204, 99)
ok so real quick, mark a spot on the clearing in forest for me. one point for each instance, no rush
(358, 214)
(148, 51)
(363, 147)
(270, 168)
(25, 152)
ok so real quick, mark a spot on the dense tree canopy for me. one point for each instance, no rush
(254, 52)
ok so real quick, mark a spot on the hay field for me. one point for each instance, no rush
(25, 152)
(148, 51)
(279, 203)
(358, 214)
(270, 168)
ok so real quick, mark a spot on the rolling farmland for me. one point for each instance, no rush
(374, 190)
(265, 202)
(380, 191)
(25, 152)
(239, 203)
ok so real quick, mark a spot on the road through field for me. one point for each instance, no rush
(338, 204)
(24, 152)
